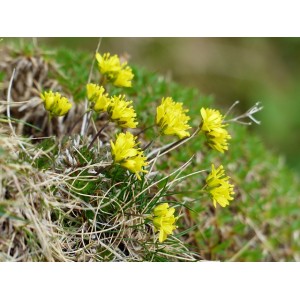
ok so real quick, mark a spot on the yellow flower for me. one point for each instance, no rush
(124, 147)
(163, 220)
(213, 127)
(212, 119)
(171, 118)
(93, 91)
(108, 65)
(124, 78)
(120, 74)
(55, 103)
(125, 152)
(121, 112)
(219, 187)
(217, 139)
(136, 164)
(96, 96)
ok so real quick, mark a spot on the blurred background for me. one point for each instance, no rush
(245, 69)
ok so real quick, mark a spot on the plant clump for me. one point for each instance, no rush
(83, 199)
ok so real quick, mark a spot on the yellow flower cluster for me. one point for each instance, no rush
(119, 74)
(55, 103)
(219, 187)
(171, 118)
(118, 108)
(96, 96)
(121, 112)
(125, 153)
(164, 220)
(213, 127)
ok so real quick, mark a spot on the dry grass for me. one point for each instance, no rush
(45, 218)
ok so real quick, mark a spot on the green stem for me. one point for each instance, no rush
(103, 81)
(175, 145)
(150, 143)
(145, 129)
(50, 124)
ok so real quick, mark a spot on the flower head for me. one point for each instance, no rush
(135, 164)
(213, 127)
(219, 187)
(171, 118)
(121, 112)
(217, 139)
(124, 147)
(124, 77)
(163, 220)
(126, 153)
(55, 103)
(211, 119)
(120, 74)
(96, 96)
(108, 65)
